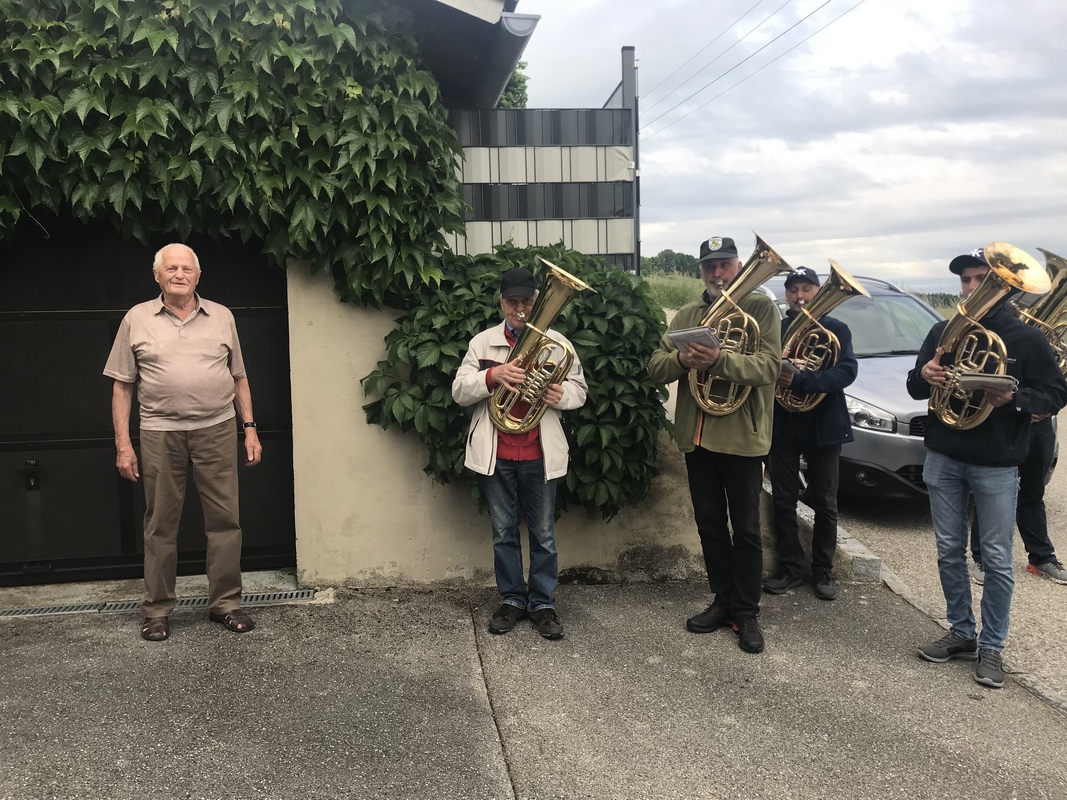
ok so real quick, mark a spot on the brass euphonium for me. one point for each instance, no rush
(737, 331)
(808, 344)
(1049, 313)
(976, 349)
(545, 359)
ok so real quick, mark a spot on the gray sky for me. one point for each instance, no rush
(905, 133)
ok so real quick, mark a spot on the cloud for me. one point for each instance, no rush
(902, 134)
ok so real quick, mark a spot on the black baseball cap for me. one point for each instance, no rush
(975, 258)
(801, 274)
(717, 247)
(518, 282)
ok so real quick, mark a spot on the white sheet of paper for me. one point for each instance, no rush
(700, 334)
(973, 381)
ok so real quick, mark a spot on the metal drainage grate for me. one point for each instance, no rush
(265, 598)
(254, 599)
(73, 608)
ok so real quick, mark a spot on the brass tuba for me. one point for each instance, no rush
(1049, 314)
(810, 345)
(977, 349)
(738, 331)
(546, 360)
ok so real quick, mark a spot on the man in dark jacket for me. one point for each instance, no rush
(817, 435)
(983, 460)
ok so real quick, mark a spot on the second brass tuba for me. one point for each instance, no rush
(1049, 313)
(975, 348)
(808, 343)
(737, 331)
(547, 360)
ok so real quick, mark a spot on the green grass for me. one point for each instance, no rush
(674, 291)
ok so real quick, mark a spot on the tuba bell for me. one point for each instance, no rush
(975, 348)
(1049, 313)
(809, 344)
(738, 331)
(545, 359)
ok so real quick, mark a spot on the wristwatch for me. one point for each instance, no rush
(249, 425)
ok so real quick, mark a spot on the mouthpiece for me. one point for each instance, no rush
(521, 316)
(720, 284)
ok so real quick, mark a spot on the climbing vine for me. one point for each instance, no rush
(304, 126)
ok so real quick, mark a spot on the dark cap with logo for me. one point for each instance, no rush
(518, 282)
(801, 274)
(975, 258)
(717, 247)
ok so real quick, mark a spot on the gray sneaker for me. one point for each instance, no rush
(1050, 569)
(978, 573)
(989, 671)
(948, 647)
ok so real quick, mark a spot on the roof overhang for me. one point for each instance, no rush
(470, 46)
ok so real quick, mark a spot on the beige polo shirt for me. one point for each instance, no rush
(184, 369)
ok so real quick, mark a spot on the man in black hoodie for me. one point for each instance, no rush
(984, 461)
(817, 435)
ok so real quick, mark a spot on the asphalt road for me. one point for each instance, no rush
(901, 533)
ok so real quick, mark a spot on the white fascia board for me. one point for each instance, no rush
(488, 10)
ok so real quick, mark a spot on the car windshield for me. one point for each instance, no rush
(886, 324)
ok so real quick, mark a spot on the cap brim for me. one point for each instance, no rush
(520, 291)
(960, 263)
(717, 257)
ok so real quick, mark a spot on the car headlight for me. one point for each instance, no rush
(864, 415)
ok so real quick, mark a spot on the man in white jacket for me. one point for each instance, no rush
(518, 471)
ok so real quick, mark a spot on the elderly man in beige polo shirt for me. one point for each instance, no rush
(182, 353)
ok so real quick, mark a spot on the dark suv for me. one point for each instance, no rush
(888, 329)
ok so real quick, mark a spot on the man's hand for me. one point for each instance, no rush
(932, 372)
(785, 380)
(126, 461)
(509, 375)
(999, 397)
(698, 356)
(553, 394)
(253, 449)
(1036, 418)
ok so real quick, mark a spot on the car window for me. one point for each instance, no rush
(886, 324)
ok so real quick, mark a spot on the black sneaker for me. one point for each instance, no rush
(782, 582)
(710, 619)
(989, 671)
(824, 585)
(749, 635)
(505, 618)
(950, 646)
(546, 620)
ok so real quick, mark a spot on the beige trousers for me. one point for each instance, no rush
(165, 460)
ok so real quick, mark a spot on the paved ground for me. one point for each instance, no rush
(901, 533)
(402, 694)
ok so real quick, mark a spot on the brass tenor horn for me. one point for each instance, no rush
(808, 343)
(545, 359)
(975, 348)
(1049, 313)
(737, 331)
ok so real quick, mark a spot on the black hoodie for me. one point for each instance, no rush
(1003, 439)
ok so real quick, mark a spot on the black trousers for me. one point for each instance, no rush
(724, 486)
(1030, 507)
(794, 438)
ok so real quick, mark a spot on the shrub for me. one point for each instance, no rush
(674, 291)
(613, 454)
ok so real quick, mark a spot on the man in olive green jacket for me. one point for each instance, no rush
(724, 454)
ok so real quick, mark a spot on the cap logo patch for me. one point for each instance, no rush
(978, 252)
(801, 271)
(714, 243)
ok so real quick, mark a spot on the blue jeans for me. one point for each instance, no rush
(515, 491)
(995, 490)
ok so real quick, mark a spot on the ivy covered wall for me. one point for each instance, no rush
(304, 126)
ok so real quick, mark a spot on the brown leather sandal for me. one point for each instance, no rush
(237, 620)
(155, 629)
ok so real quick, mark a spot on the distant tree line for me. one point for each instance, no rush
(669, 262)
